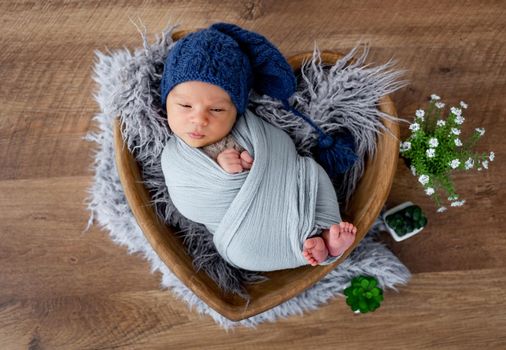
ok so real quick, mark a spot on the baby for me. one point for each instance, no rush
(205, 85)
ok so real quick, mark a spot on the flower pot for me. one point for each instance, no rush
(396, 235)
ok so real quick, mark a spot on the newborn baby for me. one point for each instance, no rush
(202, 115)
(205, 85)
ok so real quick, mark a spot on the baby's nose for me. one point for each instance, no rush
(200, 118)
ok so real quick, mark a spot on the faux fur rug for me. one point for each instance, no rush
(340, 96)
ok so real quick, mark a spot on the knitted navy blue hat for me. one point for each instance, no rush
(232, 58)
(238, 60)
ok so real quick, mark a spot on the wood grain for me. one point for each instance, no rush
(60, 288)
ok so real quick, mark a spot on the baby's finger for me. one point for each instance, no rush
(234, 168)
(230, 150)
(246, 165)
(246, 157)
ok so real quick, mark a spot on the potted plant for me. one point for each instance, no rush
(435, 149)
(404, 221)
(363, 295)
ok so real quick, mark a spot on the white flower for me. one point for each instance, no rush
(458, 142)
(455, 131)
(420, 113)
(469, 164)
(463, 104)
(480, 169)
(429, 191)
(413, 170)
(414, 127)
(481, 131)
(454, 197)
(460, 119)
(485, 164)
(405, 146)
(456, 111)
(441, 123)
(434, 97)
(424, 179)
(433, 142)
(455, 163)
(431, 152)
(458, 203)
(440, 105)
(491, 156)
(442, 209)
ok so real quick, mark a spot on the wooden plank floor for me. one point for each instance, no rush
(62, 289)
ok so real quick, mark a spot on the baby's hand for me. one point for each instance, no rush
(234, 162)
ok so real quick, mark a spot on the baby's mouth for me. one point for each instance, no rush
(196, 135)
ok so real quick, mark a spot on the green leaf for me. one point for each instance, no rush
(417, 213)
(362, 305)
(364, 284)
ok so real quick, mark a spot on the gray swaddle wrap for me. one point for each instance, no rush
(259, 218)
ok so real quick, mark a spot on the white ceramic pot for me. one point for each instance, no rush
(391, 230)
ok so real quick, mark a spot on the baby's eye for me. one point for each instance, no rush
(217, 109)
(184, 106)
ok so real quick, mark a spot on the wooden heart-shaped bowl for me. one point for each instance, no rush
(364, 207)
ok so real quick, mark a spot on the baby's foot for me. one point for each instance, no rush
(339, 238)
(315, 250)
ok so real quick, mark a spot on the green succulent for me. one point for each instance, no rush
(363, 294)
(407, 220)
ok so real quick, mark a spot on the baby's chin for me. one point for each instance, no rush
(196, 143)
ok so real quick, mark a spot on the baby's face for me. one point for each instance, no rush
(200, 113)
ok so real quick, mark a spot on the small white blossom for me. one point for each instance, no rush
(429, 191)
(463, 104)
(433, 142)
(458, 142)
(458, 203)
(460, 120)
(469, 163)
(414, 127)
(455, 163)
(442, 209)
(434, 97)
(455, 131)
(491, 156)
(440, 105)
(485, 164)
(441, 123)
(424, 179)
(431, 152)
(405, 146)
(480, 169)
(456, 111)
(481, 131)
(413, 170)
(420, 113)
(453, 198)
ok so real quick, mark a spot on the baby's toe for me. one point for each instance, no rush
(309, 244)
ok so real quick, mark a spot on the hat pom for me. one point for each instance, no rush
(335, 154)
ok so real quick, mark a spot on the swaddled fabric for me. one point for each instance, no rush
(259, 218)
